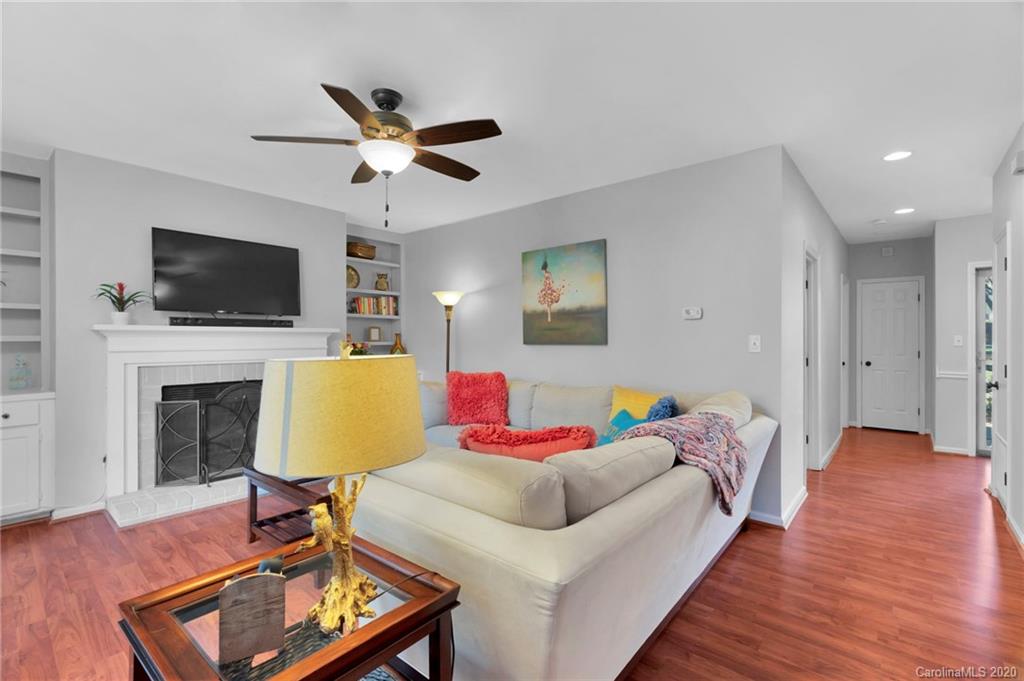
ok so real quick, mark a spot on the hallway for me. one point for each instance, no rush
(898, 560)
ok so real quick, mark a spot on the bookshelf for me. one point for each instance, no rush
(25, 308)
(388, 262)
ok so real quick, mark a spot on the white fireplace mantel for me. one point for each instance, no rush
(131, 347)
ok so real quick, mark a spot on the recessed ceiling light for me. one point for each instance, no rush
(903, 211)
(897, 155)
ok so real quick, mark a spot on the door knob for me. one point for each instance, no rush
(6, 416)
(867, 363)
(994, 385)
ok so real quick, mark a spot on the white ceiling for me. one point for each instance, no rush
(587, 95)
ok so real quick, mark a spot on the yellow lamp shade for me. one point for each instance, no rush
(321, 417)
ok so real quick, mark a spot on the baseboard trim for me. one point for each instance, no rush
(1016, 531)
(940, 449)
(786, 518)
(766, 519)
(73, 511)
(831, 451)
(627, 670)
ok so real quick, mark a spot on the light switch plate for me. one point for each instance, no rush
(958, 341)
(691, 313)
(419, 375)
(754, 343)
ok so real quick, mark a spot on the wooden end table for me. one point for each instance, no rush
(287, 527)
(173, 632)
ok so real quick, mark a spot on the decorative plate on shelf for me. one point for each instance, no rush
(351, 277)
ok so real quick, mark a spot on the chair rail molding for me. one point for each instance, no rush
(131, 347)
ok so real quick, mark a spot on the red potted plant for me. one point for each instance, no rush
(121, 299)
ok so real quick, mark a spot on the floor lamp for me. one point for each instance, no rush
(448, 299)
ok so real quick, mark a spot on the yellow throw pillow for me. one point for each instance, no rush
(635, 402)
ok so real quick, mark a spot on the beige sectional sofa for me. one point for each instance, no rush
(566, 566)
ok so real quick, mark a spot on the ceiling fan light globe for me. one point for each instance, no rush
(386, 156)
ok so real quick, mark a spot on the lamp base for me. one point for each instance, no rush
(349, 593)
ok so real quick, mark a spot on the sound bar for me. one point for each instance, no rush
(227, 321)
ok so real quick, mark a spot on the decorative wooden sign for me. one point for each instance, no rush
(251, 616)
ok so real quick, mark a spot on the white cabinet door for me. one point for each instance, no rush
(19, 469)
(890, 371)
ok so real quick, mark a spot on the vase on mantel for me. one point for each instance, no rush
(120, 318)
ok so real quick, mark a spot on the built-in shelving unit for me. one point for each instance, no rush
(388, 262)
(25, 311)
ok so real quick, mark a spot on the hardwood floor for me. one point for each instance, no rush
(898, 560)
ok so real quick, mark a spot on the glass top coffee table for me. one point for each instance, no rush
(174, 631)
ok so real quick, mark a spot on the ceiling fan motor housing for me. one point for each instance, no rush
(392, 124)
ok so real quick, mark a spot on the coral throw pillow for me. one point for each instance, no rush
(477, 398)
(637, 403)
(534, 445)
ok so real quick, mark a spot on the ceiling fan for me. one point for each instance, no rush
(391, 143)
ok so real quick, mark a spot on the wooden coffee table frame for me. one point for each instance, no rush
(163, 650)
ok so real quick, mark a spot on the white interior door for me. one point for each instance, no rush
(890, 344)
(844, 354)
(999, 334)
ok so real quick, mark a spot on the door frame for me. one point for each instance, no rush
(812, 406)
(1005, 498)
(972, 349)
(922, 360)
(844, 352)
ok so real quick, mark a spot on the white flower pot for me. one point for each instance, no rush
(120, 318)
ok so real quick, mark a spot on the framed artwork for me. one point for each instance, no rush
(373, 334)
(565, 295)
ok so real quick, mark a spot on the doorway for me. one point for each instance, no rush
(812, 446)
(981, 357)
(890, 353)
(844, 352)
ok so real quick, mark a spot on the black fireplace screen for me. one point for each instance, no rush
(206, 431)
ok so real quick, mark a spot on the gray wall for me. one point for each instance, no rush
(103, 214)
(807, 228)
(911, 257)
(706, 235)
(957, 243)
(1008, 214)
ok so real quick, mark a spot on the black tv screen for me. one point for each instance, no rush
(201, 273)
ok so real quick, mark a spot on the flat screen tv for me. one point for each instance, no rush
(202, 273)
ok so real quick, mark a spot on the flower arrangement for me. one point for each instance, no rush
(119, 297)
(360, 349)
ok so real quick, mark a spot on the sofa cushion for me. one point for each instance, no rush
(733, 404)
(636, 402)
(526, 493)
(557, 405)
(596, 477)
(520, 402)
(533, 445)
(433, 403)
(477, 398)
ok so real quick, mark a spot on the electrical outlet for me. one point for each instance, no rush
(958, 341)
(754, 343)
(691, 313)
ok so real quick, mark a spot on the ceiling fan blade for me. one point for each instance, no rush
(452, 133)
(364, 173)
(305, 140)
(444, 165)
(352, 106)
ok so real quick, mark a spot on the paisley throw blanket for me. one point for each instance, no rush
(708, 441)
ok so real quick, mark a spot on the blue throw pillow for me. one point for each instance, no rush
(621, 422)
(665, 408)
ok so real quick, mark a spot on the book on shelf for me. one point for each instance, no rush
(374, 305)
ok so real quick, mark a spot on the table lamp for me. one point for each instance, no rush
(449, 299)
(330, 416)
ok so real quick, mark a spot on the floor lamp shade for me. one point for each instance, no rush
(321, 417)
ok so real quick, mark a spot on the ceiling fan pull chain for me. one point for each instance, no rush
(387, 199)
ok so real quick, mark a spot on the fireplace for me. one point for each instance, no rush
(205, 431)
